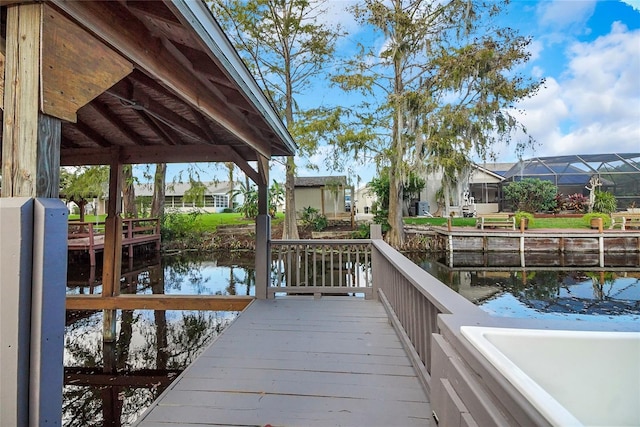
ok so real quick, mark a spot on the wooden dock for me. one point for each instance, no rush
(536, 240)
(89, 237)
(299, 361)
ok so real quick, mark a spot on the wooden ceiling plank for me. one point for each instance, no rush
(76, 67)
(92, 135)
(226, 95)
(138, 99)
(117, 122)
(110, 23)
(162, 130)
(152, 11)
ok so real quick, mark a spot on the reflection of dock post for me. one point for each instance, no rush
(522, 228)
(601, 241)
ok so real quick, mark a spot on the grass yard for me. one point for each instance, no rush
(211, 221)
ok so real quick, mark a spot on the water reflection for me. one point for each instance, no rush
(109, 383)
(550, 290)
(184, 274)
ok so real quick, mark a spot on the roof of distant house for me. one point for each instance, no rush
(497, 168)
(319, 181)
(179, 188)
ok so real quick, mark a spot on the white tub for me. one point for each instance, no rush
(573, 378)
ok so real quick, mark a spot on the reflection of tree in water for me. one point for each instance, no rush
(538, 285)
(183, 268)
(164, 342)
(599, 280)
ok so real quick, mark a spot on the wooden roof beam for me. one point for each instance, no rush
(148, 154)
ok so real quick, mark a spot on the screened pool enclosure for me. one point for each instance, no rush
(618, 174)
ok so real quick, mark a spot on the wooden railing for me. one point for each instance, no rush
(321, 267)
(413, 299)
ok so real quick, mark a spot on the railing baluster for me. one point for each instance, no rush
(323, 266)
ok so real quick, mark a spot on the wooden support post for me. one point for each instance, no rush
(263, 233)
(112, 255)
(21, 102)
(34, 239)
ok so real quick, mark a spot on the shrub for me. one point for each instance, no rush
(522, 214)
(577, 202)
(312, 217)
(227, 210)
(380, 216)
(605, 202)
(606, 219)
(531, 195)
(362, 232)
(177, 225)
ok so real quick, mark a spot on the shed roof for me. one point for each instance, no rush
(189, 97)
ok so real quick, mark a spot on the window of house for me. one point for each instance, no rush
(220, 201)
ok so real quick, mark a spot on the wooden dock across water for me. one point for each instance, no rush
(299, 361)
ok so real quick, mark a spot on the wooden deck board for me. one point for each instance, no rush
(302, 362)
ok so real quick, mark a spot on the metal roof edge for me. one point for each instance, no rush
(208, 29)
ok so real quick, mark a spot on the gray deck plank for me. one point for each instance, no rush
(297, 361)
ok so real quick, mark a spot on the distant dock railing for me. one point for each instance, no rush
(89, 236)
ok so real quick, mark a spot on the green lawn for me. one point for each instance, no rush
(211, 221)
(87, 218)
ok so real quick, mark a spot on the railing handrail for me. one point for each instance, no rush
(315, 242)
(444, 298)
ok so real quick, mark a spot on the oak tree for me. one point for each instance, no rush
(440, 88)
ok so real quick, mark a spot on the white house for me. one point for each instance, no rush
(216, 196)
(476, 191)
(364, 200)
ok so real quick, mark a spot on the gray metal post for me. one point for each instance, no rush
(16, 236)
(48, 293)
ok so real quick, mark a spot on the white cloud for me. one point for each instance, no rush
(594, 106)
(562, 15)
(633, 3)
(535, 48)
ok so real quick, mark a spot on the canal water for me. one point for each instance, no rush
(111, 384)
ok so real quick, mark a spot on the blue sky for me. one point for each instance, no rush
(589, 53)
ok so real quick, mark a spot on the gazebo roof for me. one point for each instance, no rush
(188, 98)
